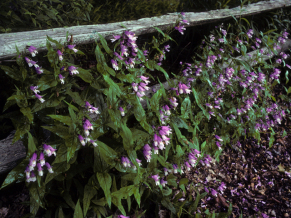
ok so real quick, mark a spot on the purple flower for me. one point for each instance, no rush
(115, 38)
(156, 178)
(213, 192)
(73, 70)
(34, 89)
(40, 98)
(72, 48)
(40, 172)
(32, 163)
(163, 182)
(122, 111)
(60, 55)
(82, 140)
(27, 172)
(218, 138)
(93, 142)
(32, 177)
(49, 150)
(49, 167)
(32, 51)
(41, 159)
(121, 216)
(62, 78)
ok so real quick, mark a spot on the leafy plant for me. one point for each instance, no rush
(101, 155)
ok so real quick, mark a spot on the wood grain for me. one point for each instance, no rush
(88, 33)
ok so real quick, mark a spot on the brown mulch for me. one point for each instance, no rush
(253, 174)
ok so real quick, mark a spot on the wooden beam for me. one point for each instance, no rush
(88, 33)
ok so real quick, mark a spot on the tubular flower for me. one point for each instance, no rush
(72, 48)
(40, 171)
(213, 192)
(40, 98)
(34, 89)
(32, 177)
(41, 159)
(60, 55)
(49, 167)
(32, 162)
(145, 79)
(62, 79)
(163, 182)
(49, 150)
(82, 140)
(32, 51)
(147, 152)
(73, 70)
(93, 142)
(122, 111)
(114, 64)
(218, 138)
(156, 178)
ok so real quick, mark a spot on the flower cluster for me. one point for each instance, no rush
(33, 52)
(87, 126)
(141, 87)
(127, 163)
(30, 176)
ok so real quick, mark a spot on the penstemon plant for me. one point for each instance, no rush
(105, 159)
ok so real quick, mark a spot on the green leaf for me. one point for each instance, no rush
(160, 31)
(10, 72)
(59, 130)
(64, 119)
(154, 101)
(107, 153)
(76, 97)
(20, 131)
(104, 44)
(36, 196)
(17, 174)
(286, 75)
(123, 193)
(31, 145)
(85, 75)
(27, 112)
(89, 193)
(185, 108)
(71, 144)
(180, 123)
(105, 182)
(78, 210)
(166, 203)
(159, 68)
(58, 168)
(196, 96)
(61, 214)
(127, 137)
(137, 195)
(46, 82)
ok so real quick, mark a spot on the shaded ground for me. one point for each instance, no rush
(254, 175)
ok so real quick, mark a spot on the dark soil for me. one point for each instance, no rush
(252, 163)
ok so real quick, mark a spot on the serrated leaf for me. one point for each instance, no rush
(58, 168)
(89, 193)
(10, 72)
(85, 75)
(63, 119)
(78, 210)
(31, 145)
(105, 182)
(27, 112)
(59, 130)
(71, 144)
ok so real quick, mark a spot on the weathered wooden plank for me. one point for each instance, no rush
(88, 33)
(10, 154)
